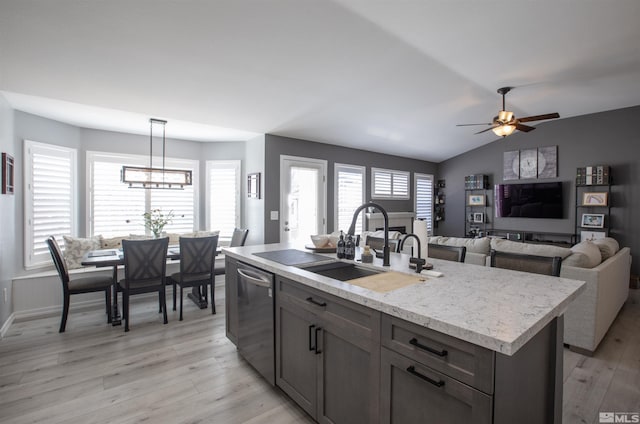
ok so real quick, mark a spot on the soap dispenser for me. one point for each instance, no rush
(349, 248)
(340, 246)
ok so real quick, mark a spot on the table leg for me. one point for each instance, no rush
(115, 314)
(197, 297)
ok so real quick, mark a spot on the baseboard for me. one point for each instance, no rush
(54, 310)
(6, 325)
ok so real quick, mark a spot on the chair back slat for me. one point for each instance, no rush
(447, 253)
(377, 243)
(58, 260)
(544, 265)
(239, 237)
(197, 255)
(145, 260)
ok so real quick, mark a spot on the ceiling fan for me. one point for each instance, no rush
(505, 123)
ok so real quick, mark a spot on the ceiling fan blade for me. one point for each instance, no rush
(539, 117)
(468, 125)
(524, 128)
(488, 129)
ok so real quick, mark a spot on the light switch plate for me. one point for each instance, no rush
(274, 215)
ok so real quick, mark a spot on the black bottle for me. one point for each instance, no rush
(349, 248)
(340, 247)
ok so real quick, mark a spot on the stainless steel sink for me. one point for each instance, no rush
(342, 271)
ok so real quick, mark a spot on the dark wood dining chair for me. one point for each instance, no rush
(77, 285)
(197, 261)
(448, 253)
(238, 238)
(545, 265)
(145, 264)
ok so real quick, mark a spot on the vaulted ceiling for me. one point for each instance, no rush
(388, 76)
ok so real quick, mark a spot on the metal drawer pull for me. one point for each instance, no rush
(311, 346)
(417, 344)
(317, 330)
(315, 302)
(412, 370)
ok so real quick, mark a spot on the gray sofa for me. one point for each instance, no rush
(601, 264)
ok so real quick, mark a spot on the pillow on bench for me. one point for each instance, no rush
(75, 248)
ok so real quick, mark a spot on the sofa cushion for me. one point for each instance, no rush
(112, 242)
(585, 255)
(608, 247)
(473, 245)
(75, 248)
(503, 245)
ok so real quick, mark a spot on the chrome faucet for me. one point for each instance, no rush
(352, 228)
(420, 262)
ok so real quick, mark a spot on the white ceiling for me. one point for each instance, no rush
(388, 76)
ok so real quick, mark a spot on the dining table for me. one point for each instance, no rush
(115, 258)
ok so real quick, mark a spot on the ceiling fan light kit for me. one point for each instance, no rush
(506, 123)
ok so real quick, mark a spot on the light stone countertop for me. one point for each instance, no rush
(494, 308)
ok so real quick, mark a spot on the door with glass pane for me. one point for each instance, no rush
(303, 194)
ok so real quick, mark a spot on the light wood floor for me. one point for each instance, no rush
(189, 372)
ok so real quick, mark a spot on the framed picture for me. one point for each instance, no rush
(592, 235)
(476, 200)
(511, 165)
(7, 174)
(528, 163)
(592, 220)
(253, 185)
(548, 162)
(595, 199)
(478, 217)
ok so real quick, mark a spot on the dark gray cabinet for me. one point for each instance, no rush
(327, 354)
(231, 298)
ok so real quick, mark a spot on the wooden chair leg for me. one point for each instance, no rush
(174, 295)
(163, 303)
(213, 299)
(107, 295)
(181, 296)
(65, 312)
(125, 309)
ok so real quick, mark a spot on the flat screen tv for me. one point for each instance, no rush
(536, 200)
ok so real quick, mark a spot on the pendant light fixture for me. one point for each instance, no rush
(156, 178)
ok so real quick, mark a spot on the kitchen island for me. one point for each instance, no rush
(478, 344)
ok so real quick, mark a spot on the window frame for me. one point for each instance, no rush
(142, 160)
(337, 167)
(225, 163)
(31, 259)
(393, 173)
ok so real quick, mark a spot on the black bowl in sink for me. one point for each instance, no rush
(342, 271)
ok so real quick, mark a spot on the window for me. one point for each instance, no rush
(49, 201)
(389, 184)
(116, 210)
(223, 196)
(348, 194)
(424, 199)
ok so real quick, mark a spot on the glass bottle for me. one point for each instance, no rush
(340, 246)
(349, 248)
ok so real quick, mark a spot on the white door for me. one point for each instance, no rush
(303, 198)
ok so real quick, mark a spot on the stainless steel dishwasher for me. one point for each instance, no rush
(256, 341)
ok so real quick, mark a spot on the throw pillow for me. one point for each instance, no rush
(608, 247)
(473, 245)
(75, 248)
(503, 245)
(112, 242)
(587, 255)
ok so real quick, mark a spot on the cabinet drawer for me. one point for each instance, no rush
(414, 393)
(329, 308)
(466, 362)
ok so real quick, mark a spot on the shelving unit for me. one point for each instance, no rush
(592, 202)
(438, 203)
(479, 204)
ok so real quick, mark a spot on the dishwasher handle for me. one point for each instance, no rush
(256, 278)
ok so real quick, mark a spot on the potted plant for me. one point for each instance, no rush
(155, 220)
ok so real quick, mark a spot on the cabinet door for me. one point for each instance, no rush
(413, 393)
(231, 298)
(349, 376)
(296, 357)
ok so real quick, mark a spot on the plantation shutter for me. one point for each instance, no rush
(424, 199)
(223, 189)
(389, 184)
(349, 194)
(49, 198)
